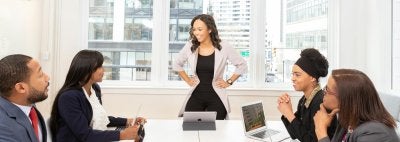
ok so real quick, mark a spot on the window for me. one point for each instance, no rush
(123, 32)
(396, 45)
(101, 20)
(124, 36)
(305, 26)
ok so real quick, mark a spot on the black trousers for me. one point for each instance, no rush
(206, 99)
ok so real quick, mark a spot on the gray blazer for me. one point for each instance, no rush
(226, 53)
(15, 126)
(367, 132)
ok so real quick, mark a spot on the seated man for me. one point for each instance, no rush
(22, 84)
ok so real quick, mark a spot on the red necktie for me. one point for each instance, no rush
(34, 118)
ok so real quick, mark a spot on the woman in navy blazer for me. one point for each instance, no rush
(73, 109)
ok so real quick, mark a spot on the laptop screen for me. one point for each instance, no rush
(253, 116)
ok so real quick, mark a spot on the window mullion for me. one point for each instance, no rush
(118, 20)
(257, 44)
(159, 65)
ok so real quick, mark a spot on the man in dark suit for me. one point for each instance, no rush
(22, 84)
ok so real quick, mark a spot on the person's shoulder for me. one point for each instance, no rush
(318, 97)
(6, 116)
(3, 101)
(188, 44)
(6, 107)
(72, 93)
(2, 114)
(225, 43)
(374, 130)
(316, 101)
(373, 126)
(226, 46)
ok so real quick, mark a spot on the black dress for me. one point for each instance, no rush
(204, 97)
(302, 127)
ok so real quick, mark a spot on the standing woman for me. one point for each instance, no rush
(77, 113)
(305, 77)
(207, 56)
(361, 114)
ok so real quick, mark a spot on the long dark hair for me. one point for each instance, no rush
(210, 23)
(84, 64)
(359, 101)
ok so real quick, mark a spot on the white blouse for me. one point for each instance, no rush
(100, 118)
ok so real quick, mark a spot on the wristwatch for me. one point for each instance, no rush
(229, 81)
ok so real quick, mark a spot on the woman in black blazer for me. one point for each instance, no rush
(77, 114)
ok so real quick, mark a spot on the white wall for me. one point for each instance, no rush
(396, 44)
(365, 39)
(25, 29)
(20, 27)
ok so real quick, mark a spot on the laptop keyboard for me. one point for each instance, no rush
(265, 134)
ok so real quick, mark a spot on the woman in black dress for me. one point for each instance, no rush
(207, 56)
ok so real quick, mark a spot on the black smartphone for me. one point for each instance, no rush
(141, 133)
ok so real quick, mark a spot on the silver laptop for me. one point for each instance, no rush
(255, 125)
(199, 120)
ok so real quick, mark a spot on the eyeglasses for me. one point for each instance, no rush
(326, 91)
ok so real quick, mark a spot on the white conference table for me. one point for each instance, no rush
(161, 130)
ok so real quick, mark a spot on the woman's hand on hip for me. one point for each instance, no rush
(222, 83)
(192, 81)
